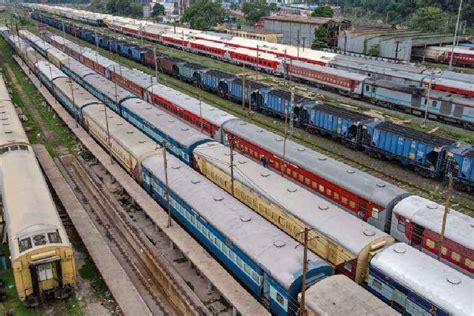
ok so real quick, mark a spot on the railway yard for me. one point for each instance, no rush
(162, 188)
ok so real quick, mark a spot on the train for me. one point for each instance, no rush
(391, 209)
(230, 230)
(353, 129)
(402, 87)
(462, 55)
(336, 184)
(242, 241)
(41, 255)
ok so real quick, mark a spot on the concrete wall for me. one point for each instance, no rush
(290, 31)
(388, 46)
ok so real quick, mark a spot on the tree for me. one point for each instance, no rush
(253, 11)
(323, 11)
(203, 14)
(429, 19)
(158, 10)
(321, 38)
(374, 51)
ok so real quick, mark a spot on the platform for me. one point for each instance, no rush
(117, 280)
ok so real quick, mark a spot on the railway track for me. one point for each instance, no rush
(169, 293)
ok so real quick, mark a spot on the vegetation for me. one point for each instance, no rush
(402, 11)
(321, 37)
(374, 51)
(124, 8)
(204, 14)
(158, 11)
(253, 11)
(429, 19)
(323, 11)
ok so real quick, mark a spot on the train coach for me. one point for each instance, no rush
(41, 255)
(189, 205)
(416, 284)
(182, 144)
(461, 167)
(451, 107)
(292, 208)
(338, 295)
(389, 85)
(216, 219)
(425, 152)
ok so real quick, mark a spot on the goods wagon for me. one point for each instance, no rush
(215, 80)
(170, 65)
(335, 121)
(425, 152)
(190, 72)
(461, 166)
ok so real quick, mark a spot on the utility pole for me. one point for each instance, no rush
(292, 101)
(243, 90)
(445, 215)
(167, 191)
(302, 310)
(231, 146)
(428, 98)
(455, 36)
(156, 65)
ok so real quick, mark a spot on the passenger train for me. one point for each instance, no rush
(41, 255)
(243, 241)
(394, 85)
(365, 196)
(429, 155)
(262, 257)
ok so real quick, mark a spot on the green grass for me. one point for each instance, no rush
(61, 136)
(89, 272)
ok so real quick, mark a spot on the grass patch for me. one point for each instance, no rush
(89, 272)
(60, 134)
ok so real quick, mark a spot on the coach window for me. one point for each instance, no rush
(455, 256)
(25, 244)
(469, 263)
(430, 243)
(344, 200)
(352, 204)
(54, 238)
(444, 251)
(434, 104)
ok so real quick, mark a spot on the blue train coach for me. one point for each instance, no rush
(266, 260)
(414, 283)
(461, 166)
(338, 122)
(425, 152)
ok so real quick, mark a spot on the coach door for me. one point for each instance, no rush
(416, 239)
(266, 288)
(458, 110)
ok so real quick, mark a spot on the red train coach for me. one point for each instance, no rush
(361, 194)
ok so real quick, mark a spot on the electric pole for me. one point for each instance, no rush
(167, 191)
(445, 215)
(302, 310)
